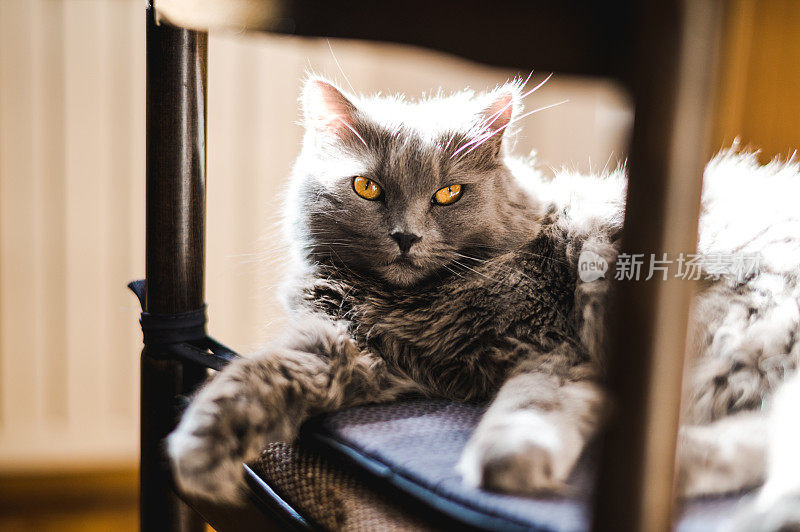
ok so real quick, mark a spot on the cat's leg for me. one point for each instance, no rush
(777, 506)
(723, 456)
(533, 432)
(263, 399)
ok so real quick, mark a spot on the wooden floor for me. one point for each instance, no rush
(87, 502)
(98, 501)
(102, 518)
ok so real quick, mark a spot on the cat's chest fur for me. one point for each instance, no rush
(459, 335)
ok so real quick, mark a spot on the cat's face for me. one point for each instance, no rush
(404, 191)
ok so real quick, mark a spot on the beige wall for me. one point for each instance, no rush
(72, 200)
(71, 132)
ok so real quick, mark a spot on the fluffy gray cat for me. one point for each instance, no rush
(430, 261)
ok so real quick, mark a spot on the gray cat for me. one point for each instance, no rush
(430, 261)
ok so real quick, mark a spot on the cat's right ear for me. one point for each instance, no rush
(497, 116)
(327, 111)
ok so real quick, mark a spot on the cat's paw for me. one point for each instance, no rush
(524, 452)
(227, 424)
(780, 515)
(203, 465)
(711, 464)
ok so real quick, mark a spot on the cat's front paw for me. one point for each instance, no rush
(227, 424)
(524, 452)
(203, 465)
(710, 464)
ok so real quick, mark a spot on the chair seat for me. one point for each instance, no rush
(392, 467)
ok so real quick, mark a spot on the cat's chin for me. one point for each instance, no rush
(403, 273)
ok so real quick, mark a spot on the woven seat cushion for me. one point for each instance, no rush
(392, 466)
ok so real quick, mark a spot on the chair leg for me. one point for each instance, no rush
(672, 76)
(176, 165)
(159, 507)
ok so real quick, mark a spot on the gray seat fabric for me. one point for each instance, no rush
(415, 444)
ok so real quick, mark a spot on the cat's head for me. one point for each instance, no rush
(405, 190)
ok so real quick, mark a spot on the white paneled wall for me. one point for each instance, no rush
(72, 200)
(71, 210)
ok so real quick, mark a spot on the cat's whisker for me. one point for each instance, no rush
(473, 270)
(451, 270)
(483, 137)
(330, 214)
(450, 140)
(527, 79)
(496, 115)
(476, 259)
(537, 87)
(543, 108)
(531, 253)
(605, 166)
(478, 142)
(344, 264)
(491, 119)
(335, 60)
(351, 128)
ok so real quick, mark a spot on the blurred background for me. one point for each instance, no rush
(72, 75)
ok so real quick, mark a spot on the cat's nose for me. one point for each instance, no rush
(404, 240)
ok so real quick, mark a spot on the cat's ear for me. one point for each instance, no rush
(326, 110)
(496, 116)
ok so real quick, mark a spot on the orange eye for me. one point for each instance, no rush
(447, 195)
(367, 188)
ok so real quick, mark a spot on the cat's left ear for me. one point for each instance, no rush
(496, 117)
(326, 110)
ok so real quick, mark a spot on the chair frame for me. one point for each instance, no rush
(175, 246)
(667, 153)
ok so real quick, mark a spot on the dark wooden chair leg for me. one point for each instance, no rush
(672, 75)
(176, 164)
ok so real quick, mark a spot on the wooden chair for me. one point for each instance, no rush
(663, 52)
